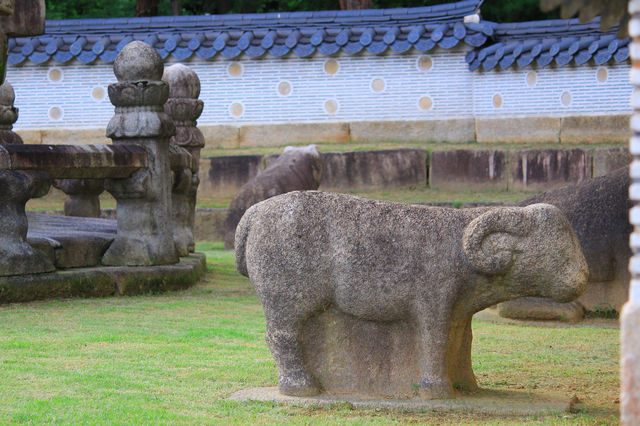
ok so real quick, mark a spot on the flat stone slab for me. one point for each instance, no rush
(71, 242)
(103, 281)
(501, 403)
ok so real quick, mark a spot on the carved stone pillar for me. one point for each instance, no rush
(17, 257)
(184, 107)
(145, 228)
(83, 196)
(630, 316)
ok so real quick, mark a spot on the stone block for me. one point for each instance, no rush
(356, 356)
(76, 283)
(462, 169)
(584, 129)
(539, 309)
(76, 161)
(220, 135)
(209, 224)
(450, 130)
(368, 169)
(224, 175)
(606, 160)
(542, 169)
(518, 129)
(103, 281)
(155, 279)
(291, 133)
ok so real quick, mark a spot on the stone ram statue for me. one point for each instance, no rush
(297, 168)
(306, 252)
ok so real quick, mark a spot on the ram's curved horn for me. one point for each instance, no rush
(511, 220)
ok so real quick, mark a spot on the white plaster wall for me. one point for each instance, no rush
(454, 91)
(588, 95)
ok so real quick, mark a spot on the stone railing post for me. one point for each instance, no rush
(145, 228)
(630, 317)
(184, 107)
(17, 187)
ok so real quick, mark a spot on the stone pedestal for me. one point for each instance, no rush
(17, 257)
(83, 196)
(144, 213)
(184, 107)
(630, 357)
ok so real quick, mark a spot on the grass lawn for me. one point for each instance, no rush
(173, 358)
(55, 200)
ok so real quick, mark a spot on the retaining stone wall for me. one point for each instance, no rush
(531, 169)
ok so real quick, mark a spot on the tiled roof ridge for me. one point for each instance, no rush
(548, 43)
(255, 35)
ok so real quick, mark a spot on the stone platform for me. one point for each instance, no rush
(500, 403)
(75, 246)
(103, 281)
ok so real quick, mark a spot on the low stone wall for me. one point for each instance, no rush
(223, 176)
(530, 169)
(459, 169)
(572, 129)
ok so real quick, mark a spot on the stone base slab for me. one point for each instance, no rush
(498, 403)
(103, 281)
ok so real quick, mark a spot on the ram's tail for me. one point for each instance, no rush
(242, 232)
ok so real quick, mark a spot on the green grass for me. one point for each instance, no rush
(413, 194)
(209, 150)
(174, 358)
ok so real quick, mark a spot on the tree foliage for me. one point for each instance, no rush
(493, 10)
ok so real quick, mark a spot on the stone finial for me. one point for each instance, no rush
(138, 61)
(183, 81)
(145, 229)
(8, 116)
(7, 94)
(184, 107)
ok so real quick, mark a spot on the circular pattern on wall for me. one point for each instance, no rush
(235, 69)
(425, 103)
(55, 74)
(98, 93)
(331, 66)
(497, 100)
(331, 106)
(56, 113)
(378, 85)
(236, 109)
(566, 98)
(602, 75)
(284, 88)
(532, 78)
(424, 63)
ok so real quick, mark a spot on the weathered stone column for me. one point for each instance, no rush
(184, 107)
(17, 257)
(145, 229)
(83, 196)
(630, 318)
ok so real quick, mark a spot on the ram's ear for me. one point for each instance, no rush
(489, 240)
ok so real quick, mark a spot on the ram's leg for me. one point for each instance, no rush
(433, 336)
(459, 356)
(283, 338)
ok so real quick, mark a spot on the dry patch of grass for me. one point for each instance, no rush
(173, 358)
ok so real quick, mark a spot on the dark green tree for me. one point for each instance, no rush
(494, 10)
